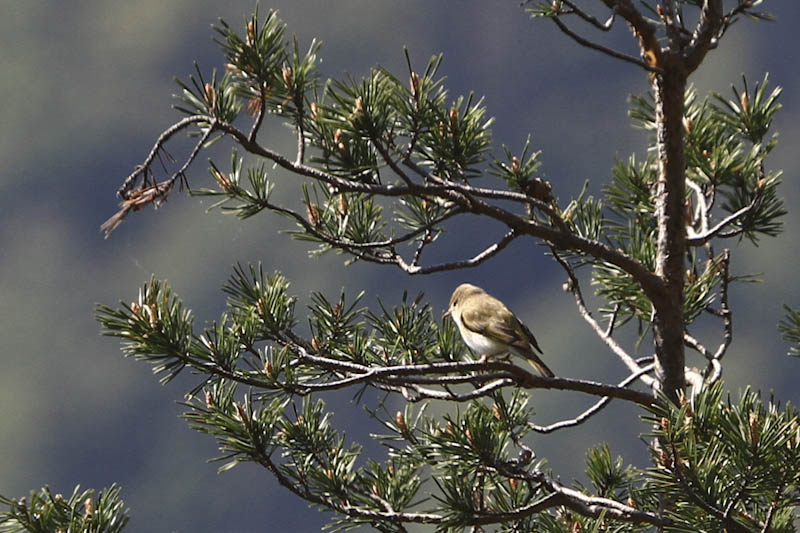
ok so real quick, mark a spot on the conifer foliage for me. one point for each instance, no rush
(384, 167)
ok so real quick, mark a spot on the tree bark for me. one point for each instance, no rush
(668, 90)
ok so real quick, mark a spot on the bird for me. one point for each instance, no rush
(489, 328)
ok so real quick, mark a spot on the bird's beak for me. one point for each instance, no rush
(446, 314)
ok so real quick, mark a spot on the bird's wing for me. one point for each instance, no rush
(495, 321)
(490, 320)
(531, 339)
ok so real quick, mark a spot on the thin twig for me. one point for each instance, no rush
(706, 34)
(180, 173)
(157, 147)
(594, 409)
(391, 162)
(730, 17)
(714, 370)
(702, 211)
(612, 321)
(494, 194)
(489, 252)
(772, 508)
(594, 21)
(575, 289)
(725, 311)
(694, 239)
(158, 192)
(641, 28)
(603, 49)
(424, 393)
(262, 104)
(482, 370)
(426, 239)
(301, 135)
(694, 344)
(351, 245)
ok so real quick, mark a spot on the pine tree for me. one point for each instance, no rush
(391, 160)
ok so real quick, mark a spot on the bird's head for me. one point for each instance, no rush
(462, 292)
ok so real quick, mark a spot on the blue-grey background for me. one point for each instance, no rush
(84, 90)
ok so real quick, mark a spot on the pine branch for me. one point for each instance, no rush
(585, 505)
(393, 375)
(459, 194)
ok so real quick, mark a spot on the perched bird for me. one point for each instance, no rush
(488, 327)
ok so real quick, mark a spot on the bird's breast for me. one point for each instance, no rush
(482, 345)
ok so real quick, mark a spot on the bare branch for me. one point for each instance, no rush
(574, 287)
(643, 30)
(725, 311)
(694, 344)
(594, 409)
(262, 105)
(594, 21)
(548, 502)
(158, 192)
(423, 393)
(700, 239)
(392, 258)
(612, 321)
(157, 147)
(600, 48)
(702, 211)
(705, 35)
(353, 245)
(474, 261)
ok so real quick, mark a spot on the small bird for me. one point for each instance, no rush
(488, 327)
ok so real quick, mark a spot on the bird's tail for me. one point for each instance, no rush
(539, 365)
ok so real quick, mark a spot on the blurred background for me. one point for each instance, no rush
(86, 88)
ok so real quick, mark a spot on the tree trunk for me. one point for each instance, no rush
(668, 89)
